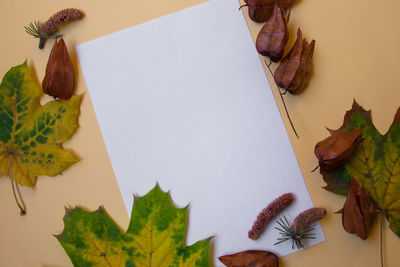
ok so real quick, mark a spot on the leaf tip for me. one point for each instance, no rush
(397, 116)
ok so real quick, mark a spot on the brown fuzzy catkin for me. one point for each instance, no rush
(63, 16)
(308, 217)
(268, 214)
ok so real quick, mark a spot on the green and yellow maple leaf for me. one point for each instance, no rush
(31, 135)
(375, 164)
(155, 236)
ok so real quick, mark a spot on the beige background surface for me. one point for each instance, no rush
(356, 56)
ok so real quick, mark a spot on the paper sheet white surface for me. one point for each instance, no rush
(183, 100)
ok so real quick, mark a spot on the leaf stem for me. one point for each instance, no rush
(288, 116)
(20, 202)
(243, 6)
(288, 16)
(283, 100)
(269, 67)
(382, 221)
(316, 168)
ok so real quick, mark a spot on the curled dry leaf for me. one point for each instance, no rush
(293, 74)
(273, 36)
(250, 258)
(337, 149)
(59, 79)
(358, 212)
(260, 10)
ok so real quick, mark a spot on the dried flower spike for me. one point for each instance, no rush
(268, 214)
(60, 17)
(48, 29)
(308, 217)
(301, 227)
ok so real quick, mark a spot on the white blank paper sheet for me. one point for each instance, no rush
(184, 101)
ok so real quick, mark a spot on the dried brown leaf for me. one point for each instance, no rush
(337, 149)
(250, 258)
(260, 10)
(293, 74)
(358, 212)
(59, 79)
(273, 36)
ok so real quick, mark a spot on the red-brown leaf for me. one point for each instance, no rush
(250, 258)
(59, 79)
(260, 10)
(337, 149)
(293, 74)
(358, 211)
(273, 36)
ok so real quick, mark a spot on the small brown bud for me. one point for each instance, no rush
(293, 74)
(273, 36)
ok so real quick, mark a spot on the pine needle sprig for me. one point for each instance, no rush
(34, 29)
(296, 235)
